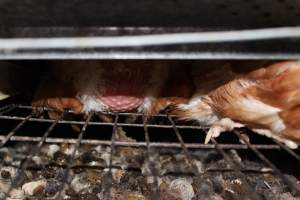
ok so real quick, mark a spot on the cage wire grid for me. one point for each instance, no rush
(149, 147)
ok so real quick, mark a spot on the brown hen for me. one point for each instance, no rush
(266, 100)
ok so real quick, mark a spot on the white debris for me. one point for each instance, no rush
(70, 150)
(6, 155)
(200, 167)
(99, 149)
(79, 183)
(94, 163)
(151, 180)
(106, 157)
(53, 148)
(236, 181)
(184, 188)
(11, 170)
(117, 174)
(4, 186)
(34, 187)
(15, 193)
(216, 197)
(37, 160)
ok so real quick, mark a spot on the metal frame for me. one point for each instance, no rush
(151, 43)
(149, 147)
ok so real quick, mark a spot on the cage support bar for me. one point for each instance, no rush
(151, 164)
(288, 150)
(6, 108)
(33, 152)
(100, 123)
(292, 187)
(108, 181)
(237, 168)
(141, 144)
(11, 133)
(184, 148)
(10, 44)
(66, 174)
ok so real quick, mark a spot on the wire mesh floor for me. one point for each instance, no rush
(125, 156)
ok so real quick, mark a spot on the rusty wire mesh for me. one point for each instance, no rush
(25, 115)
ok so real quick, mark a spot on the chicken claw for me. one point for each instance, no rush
(223, 125)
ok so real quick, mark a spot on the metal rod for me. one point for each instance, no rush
(6, 108)
(109, 179)
(10, 44)
(105, 113)
(33, 152)
(288, 150)
(210, 170)
(149, 146)
(184, 148)
(141, 144)
(237, 168)
(66, 174)
(292, 187)
(102, 123)
(156, 192)
(113, 140)
(11, 133)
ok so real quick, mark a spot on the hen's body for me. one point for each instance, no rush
(266, 100)
(116, 86)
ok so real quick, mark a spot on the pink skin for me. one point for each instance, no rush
(123, 86)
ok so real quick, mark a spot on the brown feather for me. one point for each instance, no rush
(266, 100)
(177, 90)
(276, 86)
(57, 92)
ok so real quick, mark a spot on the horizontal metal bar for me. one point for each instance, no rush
(140, 144)
(101, 167)
(143, 54)
(149, 40)
(105, 113)
(101, 123)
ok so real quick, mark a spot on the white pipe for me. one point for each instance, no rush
(148, 40)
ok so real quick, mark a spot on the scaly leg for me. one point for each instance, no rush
(220, 126)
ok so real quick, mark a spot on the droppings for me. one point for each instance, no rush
(34, 187)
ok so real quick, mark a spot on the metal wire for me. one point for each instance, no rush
(295, 190)
(156, 193)
(184, 148)
(100, 123)
(237, 168)
(289, 151)
(23, 164)
(148, 40)
(109, 179)
(10, 134)
(8, 109)
(149, 146)
(66, 174)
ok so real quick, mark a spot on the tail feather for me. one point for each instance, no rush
(291, 118)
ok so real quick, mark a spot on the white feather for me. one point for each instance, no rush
(91, 103)
(270, 134)
(157, 80)
(264, 110)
